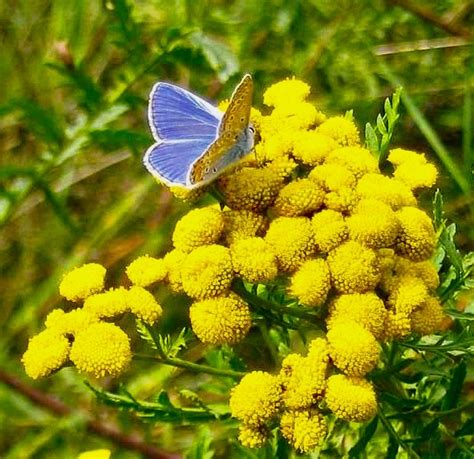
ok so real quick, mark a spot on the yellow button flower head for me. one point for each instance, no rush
(417, 238)
(253, 436)
(408, 294)
(312, 148)
(198, 227)
(367, 309)
(354, 268)
(388, 190)
(428, 318)
(256, 399)
(352, 348)
(304, 378)
(102, 349)
(425, 270)
(108, 304)
(292, 241)
(343, 200)
(311, 283)
(305, 430)
(301, 197)
(397, 325)
(333, 177)
(82, 282)
(282, 167)
(207, 272)
(70, 322)
(251, 189)
(95, 454)
(221, 320)
(143, 304)
(287, 90)
(48, 351)
(341, 129)
(356, 159)
(174, 261)
(293, 116)
(146, 270)
(412, 168)
(351, 399)
(253, 260)
(373, 224)
(187, 195)
(330, 230)
(275, 144)
(241, 224)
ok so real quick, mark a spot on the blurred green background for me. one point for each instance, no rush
(75, 77)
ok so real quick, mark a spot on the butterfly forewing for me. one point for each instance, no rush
(237, 115)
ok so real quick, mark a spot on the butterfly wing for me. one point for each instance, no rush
(177, 114)
(237, 115)
(171, 161)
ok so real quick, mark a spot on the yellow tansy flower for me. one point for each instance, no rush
(311, 283)
(343, 200)
(241, 224)
(352, 348)
(143, 304)
(198, 227)
(289, 90)
(108, 304)
(304, 430)
(253, 260)
(367, 309)
(425, 270)
(82, 282)
(373, 224)
(102, 349)
(251, 189)
(428, 318)
(292, 241)
(207, 272)
(351, 399)
(95, 454)
(187, 195)
(330, 230)
(253, 436)
(397, 325)
(388, 190)
(354, 268)
(333, 177)
(356, 159)
(48, 351)
(304, 378)
(174, 261)
(417, 238)
(312, 148)
(408, 294)
(301, 197)
(341, 129)
(256, 399)
(70, 322)
(412, 168)
(221, 320)
(146, 270)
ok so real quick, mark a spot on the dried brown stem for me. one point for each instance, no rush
(107, 430)
(429, 16)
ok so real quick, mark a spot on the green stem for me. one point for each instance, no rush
(258, 302)
(194, 367)
(268, 341)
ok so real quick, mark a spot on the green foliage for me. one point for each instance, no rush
(75, 78)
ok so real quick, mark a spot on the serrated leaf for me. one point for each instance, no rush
(371, 140)
(364, 439)
(381, 125)
(145, 334)
(438, 209)
(453, 392)
(171, 346)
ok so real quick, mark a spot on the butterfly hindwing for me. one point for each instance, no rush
(170, 161)
(237, 115)
(177, 114)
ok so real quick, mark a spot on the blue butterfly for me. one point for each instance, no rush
(195, 141)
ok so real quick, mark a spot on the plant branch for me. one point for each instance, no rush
(194, 367)
(107, 430)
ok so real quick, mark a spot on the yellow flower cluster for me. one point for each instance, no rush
(82, 336)
(309, 213)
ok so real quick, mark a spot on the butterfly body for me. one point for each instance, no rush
(196, 142)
